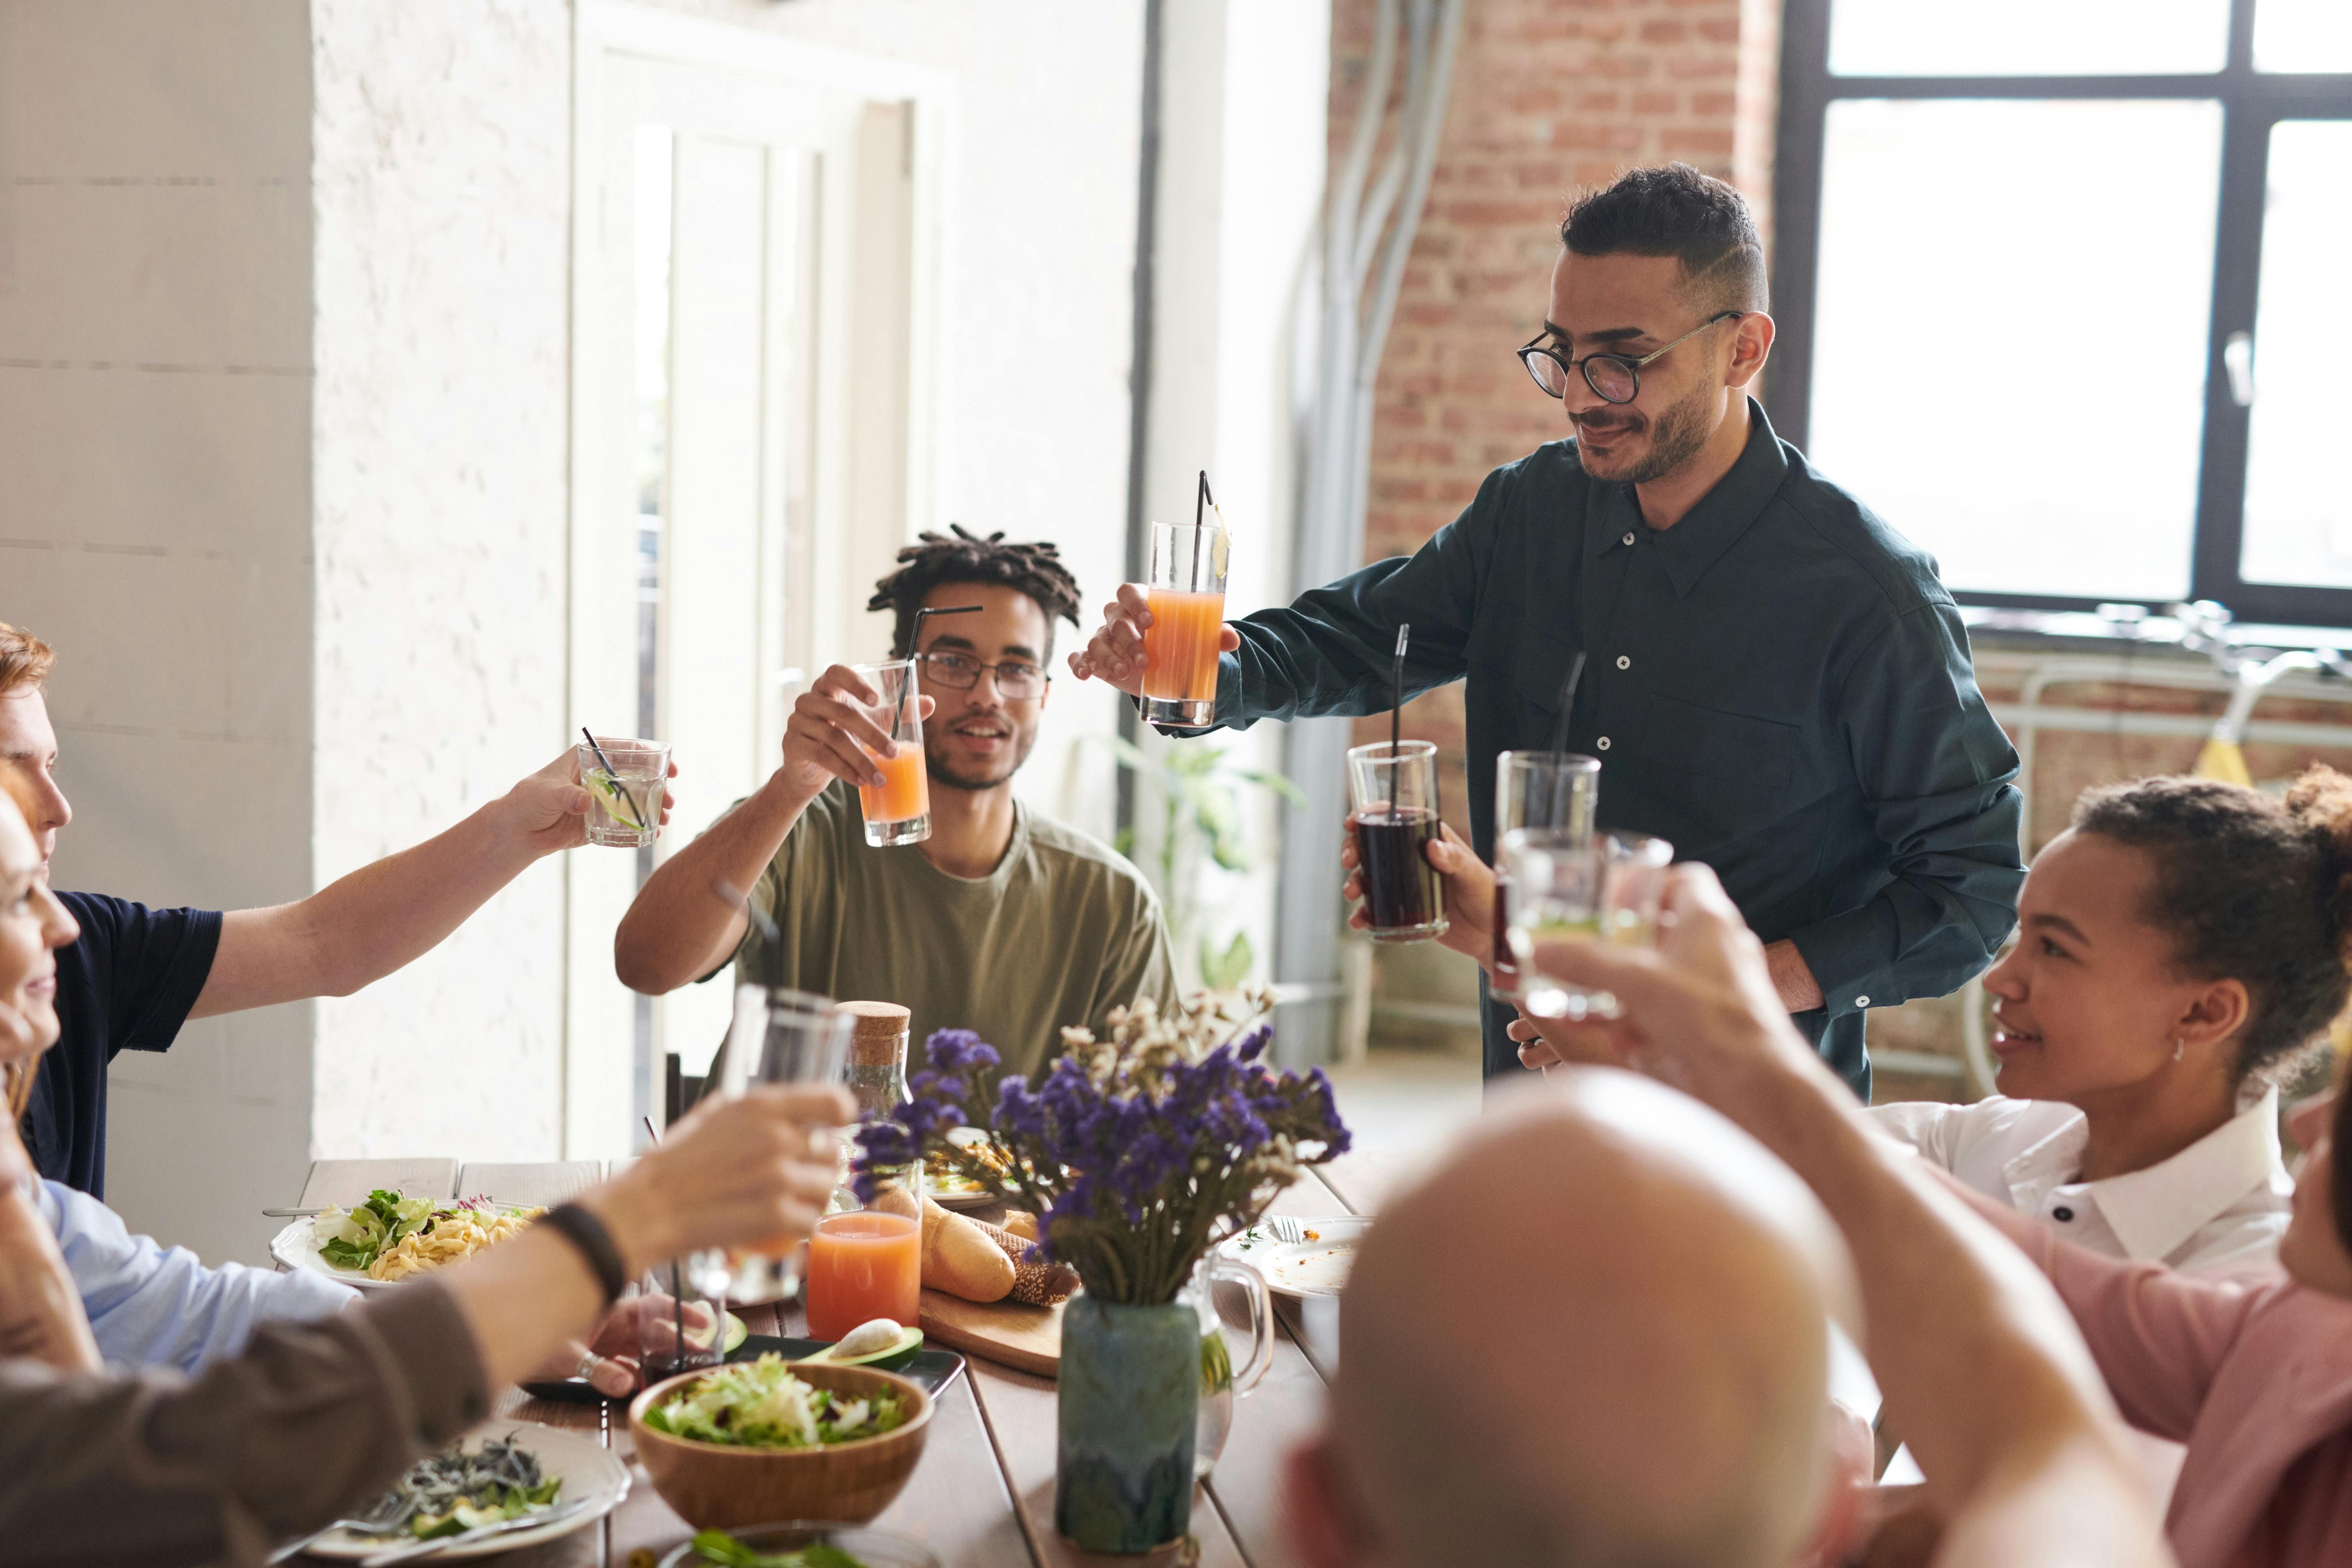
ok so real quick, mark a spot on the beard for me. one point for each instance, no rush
(944, 773)
(1676, 434)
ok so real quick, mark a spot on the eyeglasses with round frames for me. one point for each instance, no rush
(1614, 378)
(1017, 681)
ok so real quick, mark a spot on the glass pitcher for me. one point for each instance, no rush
(1219, 1383)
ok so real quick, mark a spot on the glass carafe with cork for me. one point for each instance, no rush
(865, 1259)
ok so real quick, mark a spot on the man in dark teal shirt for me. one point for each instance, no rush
(1776, 681)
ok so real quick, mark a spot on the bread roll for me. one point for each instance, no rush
(1035, 1283)
(960, 1259)
(1023, 1223)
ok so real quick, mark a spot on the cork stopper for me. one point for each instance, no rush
(878, 1032)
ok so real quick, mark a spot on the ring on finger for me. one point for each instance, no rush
(586, 1371)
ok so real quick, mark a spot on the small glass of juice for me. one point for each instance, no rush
(1186, 596)
(863, 1265)
(898, 809)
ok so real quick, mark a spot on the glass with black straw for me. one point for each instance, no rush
(626, 780)
(1392, 789)
(1186, 596)
(1556, 790)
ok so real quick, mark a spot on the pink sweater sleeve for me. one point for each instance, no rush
(2159, 1336)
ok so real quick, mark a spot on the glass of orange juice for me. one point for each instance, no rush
(1186, 596)
(898, 809)
(863, 1265)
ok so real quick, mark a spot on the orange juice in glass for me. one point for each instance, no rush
(1186, 596)
(861, 1265)
(898, 809)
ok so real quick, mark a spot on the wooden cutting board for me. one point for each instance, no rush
(1026, 1338)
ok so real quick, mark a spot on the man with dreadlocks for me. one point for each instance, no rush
(1001, 921)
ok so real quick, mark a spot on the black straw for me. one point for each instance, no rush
(1567, 702)
(1202, 501)
(914, 646)
(1396, 707)
(627, 793)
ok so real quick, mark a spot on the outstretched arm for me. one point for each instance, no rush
(362, 927)
(1980, 1363)
(681, 926)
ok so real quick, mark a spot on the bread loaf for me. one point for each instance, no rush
(961, 1259)
(1023, 1223)
(1035, 1283)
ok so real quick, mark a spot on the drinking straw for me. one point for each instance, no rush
(618, 782)
(1396, 688)
(1203, 501)
(915, 641)
(1567, 702)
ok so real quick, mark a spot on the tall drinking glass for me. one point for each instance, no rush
(1394, 792)
(898, 809)
(1566, 890)
(625, 798)
(778, 1036)
(1186, 596)
(1535, 789)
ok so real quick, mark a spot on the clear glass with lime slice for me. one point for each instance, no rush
(625, 780)
(1565, 886)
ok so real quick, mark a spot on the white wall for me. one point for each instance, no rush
(156, 524)
(442, 178)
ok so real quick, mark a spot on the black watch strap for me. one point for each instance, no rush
(586, 1232)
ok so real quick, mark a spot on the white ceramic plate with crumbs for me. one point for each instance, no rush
(1315, 1265)
(592, 1476)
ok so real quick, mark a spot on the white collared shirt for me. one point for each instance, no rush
(2218, 1206)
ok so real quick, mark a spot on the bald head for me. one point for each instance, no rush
(1596, 1334)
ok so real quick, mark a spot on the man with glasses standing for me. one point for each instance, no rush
(1001, 921)
(1775, 680)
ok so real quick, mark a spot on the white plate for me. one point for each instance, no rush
(296, 1246)
(591, 1475)
(956, 1200)
(1316, 1267)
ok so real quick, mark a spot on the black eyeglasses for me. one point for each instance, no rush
(1614, 378)
(1017, 681)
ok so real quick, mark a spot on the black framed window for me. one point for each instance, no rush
(2062, 288)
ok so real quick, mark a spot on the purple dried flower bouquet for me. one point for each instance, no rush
(1136, 1153)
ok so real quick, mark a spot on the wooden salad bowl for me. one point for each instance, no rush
(718, 1486)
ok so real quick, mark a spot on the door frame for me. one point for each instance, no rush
(871, 481)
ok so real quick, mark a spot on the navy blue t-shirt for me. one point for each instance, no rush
(126, 985)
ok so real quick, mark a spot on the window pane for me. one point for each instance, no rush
(2298, 512)
(2303, 35)
(2031, 37)
(2009, 359)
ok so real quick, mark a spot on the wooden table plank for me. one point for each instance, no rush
(547, 1182)
(1271, 1420)
(343, 1182)
(1023, 1421)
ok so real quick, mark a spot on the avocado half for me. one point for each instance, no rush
(890, 1358)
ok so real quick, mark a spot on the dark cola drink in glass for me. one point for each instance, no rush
(1392, 791)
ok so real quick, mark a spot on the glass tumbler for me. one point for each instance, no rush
(898, 809)
(626, 797)
(778, 1036)
(1186, 596)
(1535, 789)
(1563, 890)
(1393, 795)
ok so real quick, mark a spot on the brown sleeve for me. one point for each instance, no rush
(156, 1467)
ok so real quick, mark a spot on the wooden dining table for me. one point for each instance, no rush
(982, 1495)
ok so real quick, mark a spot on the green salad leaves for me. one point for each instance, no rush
(717, 1546)
(761, 1405)
(374, 1228)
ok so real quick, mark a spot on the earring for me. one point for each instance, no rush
(2180, 1046)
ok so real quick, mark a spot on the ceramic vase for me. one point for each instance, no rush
(1130, 1396)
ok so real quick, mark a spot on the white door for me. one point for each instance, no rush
(742, 332)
